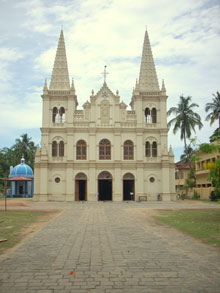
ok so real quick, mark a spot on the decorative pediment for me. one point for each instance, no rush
(104, 92)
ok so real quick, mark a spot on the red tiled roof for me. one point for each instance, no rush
(19, 178)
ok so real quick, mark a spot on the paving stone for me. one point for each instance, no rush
(110, 247)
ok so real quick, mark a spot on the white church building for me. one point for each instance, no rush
(104, 151)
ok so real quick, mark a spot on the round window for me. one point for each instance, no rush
(57, 179)
(152, 179)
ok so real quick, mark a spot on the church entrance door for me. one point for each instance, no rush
(105, 186)
(128, 187)
(80, 187)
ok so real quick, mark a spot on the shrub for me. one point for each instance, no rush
(214, 196)
(196, 195)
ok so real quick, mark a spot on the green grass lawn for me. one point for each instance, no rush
(13, 224)
(202, 224)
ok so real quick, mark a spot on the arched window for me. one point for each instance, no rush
(128, 176)
(128, 150)
(81, 176)
(61, 149)
(54, 149)
(154, 115)
(147, 149)
(81, 150)
(154, 149)
(62, 115)
(104, 175)
(104, 150)
(55, 111)
(148, 118)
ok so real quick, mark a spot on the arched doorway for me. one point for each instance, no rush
(128, 187)
(80, 187)
(105, 186)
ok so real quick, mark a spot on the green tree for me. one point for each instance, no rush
(187, 153)
(12, 156)
(215, 135)
(7, 159)
(214, 107)
(24, 146)
(186, 119)
(190, 181)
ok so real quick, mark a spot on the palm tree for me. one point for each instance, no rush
(24, 146)
(187, 153)
(186, 119)
(215, 109)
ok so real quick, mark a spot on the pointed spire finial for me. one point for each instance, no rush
(148, 77)
(92, 92)
(117, 92)
(163, 89)
(171, 151)
(45, 85)
(72, 86)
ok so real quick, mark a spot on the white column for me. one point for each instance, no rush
(69, 183)
(43, 196)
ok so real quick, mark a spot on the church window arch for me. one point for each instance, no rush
(104, 149)
(128, 150)
(104, 175)
(154, 115)
(147, 149)
(54, 148)
(128, 176)
(154, 149)
(81, 150)
(148, 117)
(62, 114)
(55, 111)
(61, 149)
(81, 176)
(58, 115)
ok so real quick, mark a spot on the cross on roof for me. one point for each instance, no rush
(105, 73)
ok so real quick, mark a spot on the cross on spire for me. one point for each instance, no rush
(105, 73)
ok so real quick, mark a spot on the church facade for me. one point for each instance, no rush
(104, 151)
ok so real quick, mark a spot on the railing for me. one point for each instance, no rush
(78, 114)
(131, 115)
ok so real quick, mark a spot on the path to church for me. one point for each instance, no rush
(110, 247)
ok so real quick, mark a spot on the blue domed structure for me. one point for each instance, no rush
(21, 179)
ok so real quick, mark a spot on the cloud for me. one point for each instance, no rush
(184, 36)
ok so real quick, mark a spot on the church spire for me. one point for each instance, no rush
(148, 77)
(60, 75)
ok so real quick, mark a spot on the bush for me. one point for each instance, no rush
(195, 195)
(214, 196)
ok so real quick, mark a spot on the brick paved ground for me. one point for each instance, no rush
(110, 247)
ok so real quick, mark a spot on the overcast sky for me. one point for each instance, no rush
(185, 40)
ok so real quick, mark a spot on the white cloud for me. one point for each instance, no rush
(184, 37)
(22, 114)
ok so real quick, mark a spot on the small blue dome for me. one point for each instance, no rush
(22, 170)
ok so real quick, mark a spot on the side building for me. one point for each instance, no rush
(104, 151)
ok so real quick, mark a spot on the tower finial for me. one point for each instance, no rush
(45, 85)
(163, 89)
(72, 89)
(22, 159)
